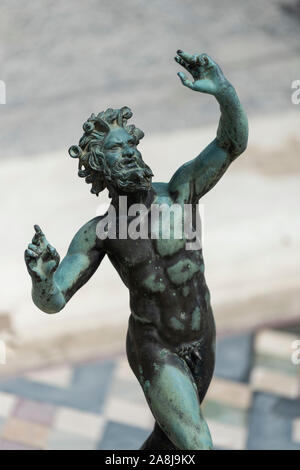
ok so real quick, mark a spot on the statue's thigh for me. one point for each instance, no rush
(172, 395)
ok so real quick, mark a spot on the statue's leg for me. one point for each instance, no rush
(173, 398)
(201, 364)
(202, 376)
(171, 393)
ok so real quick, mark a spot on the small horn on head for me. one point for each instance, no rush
(127, 113)
(124, 114)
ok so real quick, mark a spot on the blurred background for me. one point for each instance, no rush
(65, 382)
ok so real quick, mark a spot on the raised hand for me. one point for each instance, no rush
(207, 75)
(41, 258)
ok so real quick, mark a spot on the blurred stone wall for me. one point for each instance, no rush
(62, 61)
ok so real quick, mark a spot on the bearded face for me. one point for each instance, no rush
(124, 167)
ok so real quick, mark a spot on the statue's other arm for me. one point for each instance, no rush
(54, 283)
(196, 177)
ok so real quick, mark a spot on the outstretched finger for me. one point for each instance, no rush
(181, 62)
(190, 59)
(185, 81)
(38, 230)
(38, 236)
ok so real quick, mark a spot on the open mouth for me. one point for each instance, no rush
(131, 165)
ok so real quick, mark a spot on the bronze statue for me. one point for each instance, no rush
(171, 334)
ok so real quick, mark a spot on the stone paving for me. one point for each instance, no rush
(63, 60)
(253, 401)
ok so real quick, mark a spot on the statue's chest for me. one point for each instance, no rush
(157, 234)
(167, 231)
(130, 253)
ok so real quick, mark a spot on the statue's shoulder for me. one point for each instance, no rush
(87, 235)
(170, 194)
(91, 226)
(162, 193)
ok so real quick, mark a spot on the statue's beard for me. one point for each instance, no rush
(129, 175)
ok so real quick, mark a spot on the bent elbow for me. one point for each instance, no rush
(51, 309)
(238, 148)
(49, 306)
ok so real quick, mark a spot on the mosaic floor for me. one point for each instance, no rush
(253, 401)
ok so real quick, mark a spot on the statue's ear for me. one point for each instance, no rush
(96, 159)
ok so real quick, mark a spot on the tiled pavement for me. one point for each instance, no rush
(253, 402)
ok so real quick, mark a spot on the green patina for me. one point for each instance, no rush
(109, 158)
(144, 383)
(185, 291)
(146, 386)
(153, 284)
(163, 353)
(196, 319)
(182, 271)
(207, 298)
(169, 247)
(176, 324)
(166, 393)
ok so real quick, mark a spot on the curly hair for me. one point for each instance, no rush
(89, 151)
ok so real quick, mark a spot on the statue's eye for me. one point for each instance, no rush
(115, 147)
(131, 143)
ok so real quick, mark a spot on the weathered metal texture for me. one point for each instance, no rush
(171, 334)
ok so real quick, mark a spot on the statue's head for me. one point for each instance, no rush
(108, 154)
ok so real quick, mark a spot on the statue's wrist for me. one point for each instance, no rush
(43, 285)
(224, 91)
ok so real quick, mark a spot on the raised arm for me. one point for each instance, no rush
(54, 283)
(196, 177)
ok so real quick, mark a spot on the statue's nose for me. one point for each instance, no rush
(128, 152)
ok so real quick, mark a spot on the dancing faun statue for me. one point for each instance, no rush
(171, 333)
